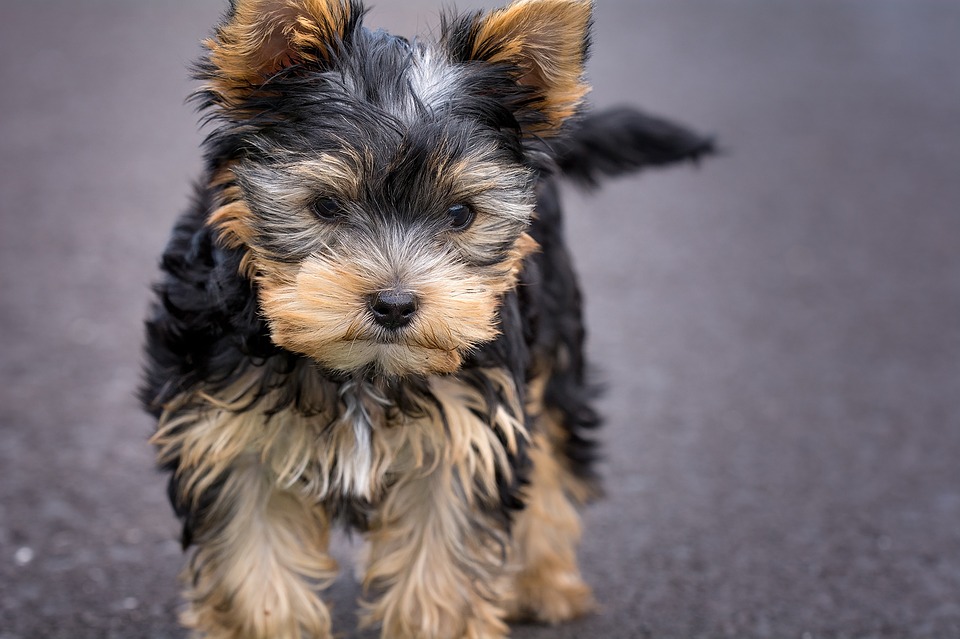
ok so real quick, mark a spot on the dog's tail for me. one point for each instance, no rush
(622, 139)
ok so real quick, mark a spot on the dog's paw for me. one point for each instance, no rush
(483, 629)
(550, 598)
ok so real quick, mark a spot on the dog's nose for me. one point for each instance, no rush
(393, 309)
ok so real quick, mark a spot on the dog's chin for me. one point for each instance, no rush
(390, 359)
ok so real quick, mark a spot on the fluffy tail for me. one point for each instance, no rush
(623, 139)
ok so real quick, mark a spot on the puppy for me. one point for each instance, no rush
(368, 316)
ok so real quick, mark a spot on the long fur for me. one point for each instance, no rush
(462, 443)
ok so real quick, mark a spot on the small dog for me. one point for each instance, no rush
(369, 316)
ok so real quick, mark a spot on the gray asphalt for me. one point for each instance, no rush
(779, 329)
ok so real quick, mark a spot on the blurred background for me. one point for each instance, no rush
(779, 329)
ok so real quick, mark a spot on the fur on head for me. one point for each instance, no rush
(355, 169)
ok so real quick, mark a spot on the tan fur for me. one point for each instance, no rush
(434, 558)
(547, 585)
(430, 563)
(259, 563)
(209, 434)
(232, 218)
(545, 582)
(545, 38)
(265, 35)
(321, 311)
(549, 423)
(266, 545)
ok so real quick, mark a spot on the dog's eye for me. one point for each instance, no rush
(459, 216)
(327, 208)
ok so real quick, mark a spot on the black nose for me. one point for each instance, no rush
(393, 309)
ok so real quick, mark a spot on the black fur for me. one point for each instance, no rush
(623, 139)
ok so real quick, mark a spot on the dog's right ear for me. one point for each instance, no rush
(260, 38)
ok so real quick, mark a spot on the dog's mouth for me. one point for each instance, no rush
(414, 335)
(392, 355)
(400, 338)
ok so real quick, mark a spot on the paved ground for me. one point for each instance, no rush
(780, 330)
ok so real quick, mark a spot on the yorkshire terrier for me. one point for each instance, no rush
(368, 316)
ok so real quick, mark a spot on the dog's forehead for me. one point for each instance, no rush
(404, 78)
(433, 79)
(393, 113)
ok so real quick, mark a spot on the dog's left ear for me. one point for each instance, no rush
(543, 42)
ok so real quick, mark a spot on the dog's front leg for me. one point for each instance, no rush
(436, 562)
(261, 556)
(547, 585)
(439, 538)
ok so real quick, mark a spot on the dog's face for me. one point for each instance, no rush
(379, 188)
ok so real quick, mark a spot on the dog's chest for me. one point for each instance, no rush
(356, 472)
(368, 444)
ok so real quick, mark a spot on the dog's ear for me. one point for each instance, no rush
(543, 42)
(259, 38)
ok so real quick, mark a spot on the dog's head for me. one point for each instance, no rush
(381, 188)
